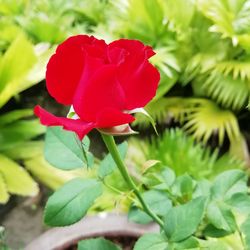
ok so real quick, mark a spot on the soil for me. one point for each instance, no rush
(23, 223)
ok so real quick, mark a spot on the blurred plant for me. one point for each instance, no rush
(52, 21)
(17, 151)
(193, 213)
(198, 214)
(181, 153)
(17, 73)
(202, 44)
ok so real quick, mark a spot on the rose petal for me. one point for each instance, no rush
(81, 128)
(110, 117)
(101, 92)
(65, 67)
(138, 78)
(132, 46)
(139, 81)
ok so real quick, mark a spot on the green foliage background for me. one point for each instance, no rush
(202, 53)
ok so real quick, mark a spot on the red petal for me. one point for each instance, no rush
(65, 68)
(112, 117)
(139, 83)
(81, 128)
(138, 78)
(102, 91)
(132, 46)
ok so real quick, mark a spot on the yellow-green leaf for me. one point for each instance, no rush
(4, 196)
(48, 175)
(17, 179)
(14, 67)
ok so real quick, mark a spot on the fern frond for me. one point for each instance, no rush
(180, 152)
(166, 60)
(205, 118)
(200, 117)
(230, 18)
(180, 13)
(238, 69)
(229, 91)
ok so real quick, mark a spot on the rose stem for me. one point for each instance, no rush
(111, 146)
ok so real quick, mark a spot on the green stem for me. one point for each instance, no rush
(110, 144)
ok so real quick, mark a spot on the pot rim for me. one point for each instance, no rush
(103, 224)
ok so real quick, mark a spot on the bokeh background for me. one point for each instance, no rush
(201, 108)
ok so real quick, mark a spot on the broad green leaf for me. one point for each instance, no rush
(221, 217)
(158, 202)
(183, 186)
(202, 188)
(151, 241)
(214, 232)
(14, 116)
(245, 228)
(240, 201)
(182, 221)
(71, 202)
(4, 196)
(228, 183)
(138, 216)
(97, 244)
(64, 150)
(158, 178)
(108, 165)
(190, 243)
(17, 180)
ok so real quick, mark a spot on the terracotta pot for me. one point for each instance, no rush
(92, 226)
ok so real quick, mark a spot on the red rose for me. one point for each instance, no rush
(101, 81)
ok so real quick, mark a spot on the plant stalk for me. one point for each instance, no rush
(111, 146)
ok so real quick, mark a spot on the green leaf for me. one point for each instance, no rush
(211, 231)
(19, 131)
(71, 202)
(240, 201)
(4, 196)
(64, 150)
(151, 241)
(108, 165)
(16, 178)
(14, 67)
(202, 188)
(143, 112)
(24, 150)
(245, 228)
(97, 244)
(160, 177)
(47, 174)
(229, 183)
(15, 115)
(14, 64)
(182, 221)
(183, 186)
(190, 243)
(158, 202)
(221, 217)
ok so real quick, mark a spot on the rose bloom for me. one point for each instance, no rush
(102, 82)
